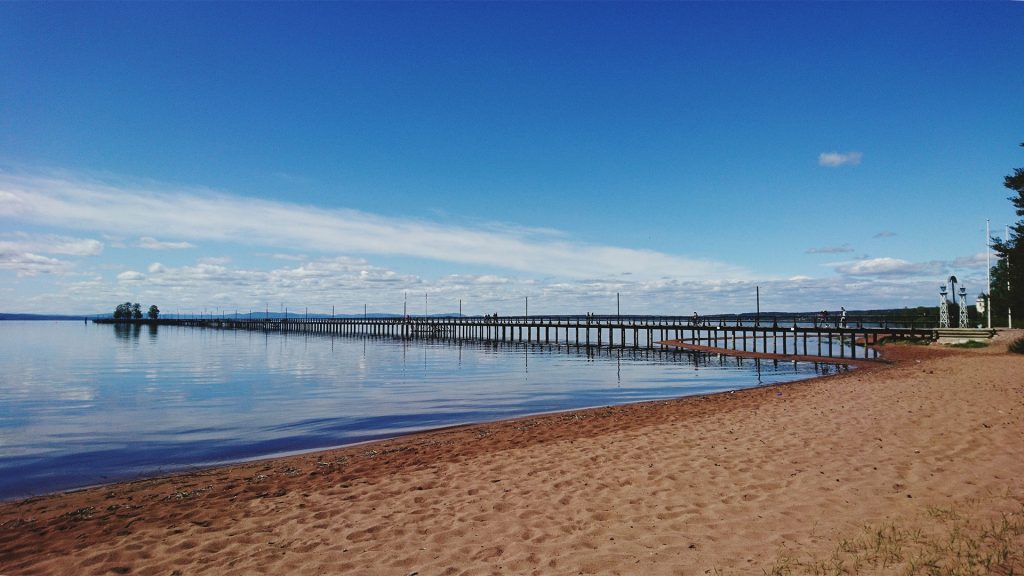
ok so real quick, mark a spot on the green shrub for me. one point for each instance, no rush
(1017, 346)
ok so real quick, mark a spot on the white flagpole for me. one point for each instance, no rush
(988, 271)
(1009, 312)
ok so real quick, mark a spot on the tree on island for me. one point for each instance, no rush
(129, 311)
(154, 312)
(1008, 273)
(123, 311)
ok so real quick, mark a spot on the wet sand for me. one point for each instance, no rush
(764, 480)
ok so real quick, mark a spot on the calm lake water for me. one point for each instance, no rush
(84, 404)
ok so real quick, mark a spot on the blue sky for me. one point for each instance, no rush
(243, 156)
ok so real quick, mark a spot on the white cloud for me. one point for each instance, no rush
(834, 159)
(490, 279)
(290, 257)
(27, 264)
(886, 267)
(873, 266)
(328, 282)
(150, 243)
(557, 273)
(204, 215)
(51, 244)
(130, 276)
(24, 253)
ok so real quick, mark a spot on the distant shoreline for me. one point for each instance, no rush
(15, 317)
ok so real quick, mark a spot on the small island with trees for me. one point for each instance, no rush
(129, 311)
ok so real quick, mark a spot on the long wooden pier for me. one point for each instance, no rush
(739, 335)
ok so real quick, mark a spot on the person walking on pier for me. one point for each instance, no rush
(823, 319)
(842, 317)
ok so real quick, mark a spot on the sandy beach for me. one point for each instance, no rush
(915, 462)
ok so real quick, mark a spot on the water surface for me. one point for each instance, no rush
(83, 404)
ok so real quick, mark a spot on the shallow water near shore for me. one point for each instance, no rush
(84, 404)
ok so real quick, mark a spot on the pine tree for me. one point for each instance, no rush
(1008, 273)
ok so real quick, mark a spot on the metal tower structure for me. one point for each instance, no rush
(963, 307)
(943, 308)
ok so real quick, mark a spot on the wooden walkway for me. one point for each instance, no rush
(873, 355)
(740, 337)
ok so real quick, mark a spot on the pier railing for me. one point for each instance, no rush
(785, 336)
(884, 321)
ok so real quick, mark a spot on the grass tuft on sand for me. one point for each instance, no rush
(946, 541)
